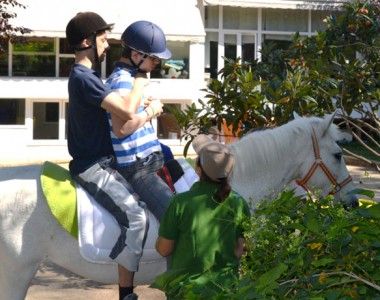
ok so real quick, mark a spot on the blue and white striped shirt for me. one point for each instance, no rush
(144, 140)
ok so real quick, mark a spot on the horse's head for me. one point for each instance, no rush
(323, 167)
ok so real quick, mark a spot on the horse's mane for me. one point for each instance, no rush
(268, 145)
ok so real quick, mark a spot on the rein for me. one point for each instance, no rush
(337, 186)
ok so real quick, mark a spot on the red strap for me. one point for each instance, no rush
(165, 175)
(319, 163)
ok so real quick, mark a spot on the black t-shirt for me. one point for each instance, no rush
(88, 128)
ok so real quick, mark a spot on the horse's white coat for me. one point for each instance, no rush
(265, 163)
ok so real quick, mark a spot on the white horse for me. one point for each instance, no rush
(266, 161)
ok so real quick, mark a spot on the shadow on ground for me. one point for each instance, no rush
(52, 275)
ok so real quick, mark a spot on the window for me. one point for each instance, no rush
(4, 61)
(211, 56)
(273, 44)
(34, 58)
(45, 120)
(65, 65)
(177, 67)
(12, 111)
(248, 48)
(167, 125)
(51, 112)
(281, 41)
(66, 58)
(113, 55)
(230, 50)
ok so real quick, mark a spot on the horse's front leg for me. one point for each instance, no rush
(20, 256)
(15, 278)
(24, 235)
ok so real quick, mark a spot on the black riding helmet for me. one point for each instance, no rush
(147, 38)
(85, 25)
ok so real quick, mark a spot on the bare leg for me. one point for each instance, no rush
(125, 277)
(126, 283)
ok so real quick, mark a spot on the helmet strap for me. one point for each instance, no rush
(127, 53)
(137, 66)
(82, 48)
(96, 56)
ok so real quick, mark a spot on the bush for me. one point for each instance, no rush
(302, 249)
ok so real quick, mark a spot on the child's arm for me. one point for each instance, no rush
(239, 247)
(132, 101)
(121, 128)
(136, 93)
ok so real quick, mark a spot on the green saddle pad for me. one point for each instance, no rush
(59, 190)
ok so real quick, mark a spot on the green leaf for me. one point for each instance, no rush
(362, 290)
(186, 148)
(374, 211)
(267, 281)
(312, 223)
(332, 295)
(364, 192)
(322, 262)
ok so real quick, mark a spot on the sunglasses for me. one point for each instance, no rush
(155, 59)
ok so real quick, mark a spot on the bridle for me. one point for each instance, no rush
(337, 186)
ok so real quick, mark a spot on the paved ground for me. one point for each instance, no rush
(367, 179)
(53, 282)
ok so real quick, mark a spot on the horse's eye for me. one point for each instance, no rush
(338, 156)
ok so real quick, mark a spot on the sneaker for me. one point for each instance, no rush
(132, 296)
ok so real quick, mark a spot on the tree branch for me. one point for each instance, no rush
(366, 134)
(365, 145)
(351, 275)
(368, 161)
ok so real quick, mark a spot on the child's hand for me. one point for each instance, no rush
(154, 108)
(141, 75)
(147, 101)
(140, 82)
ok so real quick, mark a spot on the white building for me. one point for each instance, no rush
(33, 75)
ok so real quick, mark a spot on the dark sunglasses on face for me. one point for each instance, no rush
(155, 59)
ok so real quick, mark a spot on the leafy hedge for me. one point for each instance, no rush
(301, 249)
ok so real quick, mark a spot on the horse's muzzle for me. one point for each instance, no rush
(350, 201)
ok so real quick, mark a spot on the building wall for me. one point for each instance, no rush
(230, 31)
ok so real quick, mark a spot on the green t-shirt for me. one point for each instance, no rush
(205, 231)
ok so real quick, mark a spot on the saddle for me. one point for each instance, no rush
(95, 228)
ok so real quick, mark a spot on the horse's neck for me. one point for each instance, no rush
(265, 163)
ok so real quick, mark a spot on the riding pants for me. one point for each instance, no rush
(142, 175)
(114, 193)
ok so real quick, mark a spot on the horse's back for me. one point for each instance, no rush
(18, 189)
(30, 172)
(29, 233)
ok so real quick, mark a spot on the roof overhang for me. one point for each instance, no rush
(180, 20)
(282, 4)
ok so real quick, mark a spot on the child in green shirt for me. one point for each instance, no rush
(201, 229)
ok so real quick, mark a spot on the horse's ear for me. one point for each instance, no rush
(328, 120)
(344, 137)
(296, 116)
